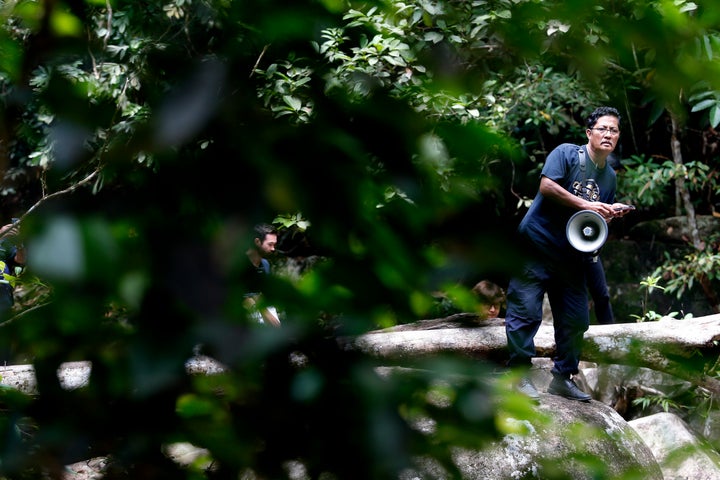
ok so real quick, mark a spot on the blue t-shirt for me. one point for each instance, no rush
(545, 222)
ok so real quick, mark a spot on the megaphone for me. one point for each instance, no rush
(586, 231)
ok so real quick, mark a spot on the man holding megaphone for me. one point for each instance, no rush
(566, 222)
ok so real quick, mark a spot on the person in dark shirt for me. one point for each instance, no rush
(574, 178)
(263, 245)
(488, 297)
(12, 260)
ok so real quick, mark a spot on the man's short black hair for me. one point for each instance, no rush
(602, 112)
(264, 229)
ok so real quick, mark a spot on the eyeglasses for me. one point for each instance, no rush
(604, 130)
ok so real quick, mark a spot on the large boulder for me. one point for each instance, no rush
(581, 441)
(559, 439)
(680, 454)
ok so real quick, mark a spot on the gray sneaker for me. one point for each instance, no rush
(527, 388)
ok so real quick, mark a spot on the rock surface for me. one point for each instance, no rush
(562, 437)
(582, 441)
(678, 451)
(576, 432)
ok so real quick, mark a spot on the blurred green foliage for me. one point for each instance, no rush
(151, 137)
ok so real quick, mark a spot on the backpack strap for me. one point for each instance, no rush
(581, 155)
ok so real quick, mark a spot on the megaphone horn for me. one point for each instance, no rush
(586, 231)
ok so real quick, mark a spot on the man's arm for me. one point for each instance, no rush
(268, 316)
(8, 230)
(556, 193)
(11, 230)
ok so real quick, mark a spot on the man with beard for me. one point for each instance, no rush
(263, 245)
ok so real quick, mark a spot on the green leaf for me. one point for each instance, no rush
(704, 104)
(65, 24)
(433, 37)
(708, 47)
(714, 116)
(292, 102)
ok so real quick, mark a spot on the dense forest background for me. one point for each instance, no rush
(399, 141)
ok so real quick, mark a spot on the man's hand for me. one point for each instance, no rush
(270, 317)
(555, 192)
(8, 230)
(269, 314)
(620, 209)
(604, 209)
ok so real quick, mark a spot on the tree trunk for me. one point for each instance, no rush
(684, 348)
(681, 190)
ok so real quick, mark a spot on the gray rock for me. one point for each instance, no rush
(560, 438)
(678, 451)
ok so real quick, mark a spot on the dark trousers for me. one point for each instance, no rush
(564, 283)
(6, 298)
(597, 287)
(6, 303)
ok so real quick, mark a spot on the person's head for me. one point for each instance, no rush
(603, 130)
(490, 298)
(265, 239)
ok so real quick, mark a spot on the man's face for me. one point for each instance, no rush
(603, 137)
(267, 246)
